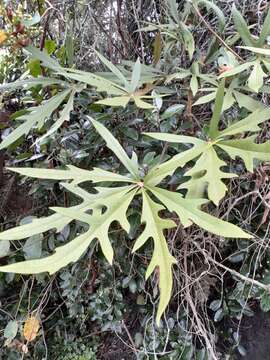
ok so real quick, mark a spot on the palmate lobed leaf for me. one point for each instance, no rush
(110, 204)
(188, 211)
(247, 150)
(207, 169)
(161, 258)
(73, 173)
(209, 164)
(36, 117)
(116, 201)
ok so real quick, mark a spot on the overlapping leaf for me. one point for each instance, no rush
(161, 258)
(207, 170)
(110, 204)
(35, 118)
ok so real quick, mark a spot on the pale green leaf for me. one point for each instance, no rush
(188, 211)
(116, 204)
(236, 70)
(64, 116)
(247, 101)
(4, 248)
(101, 84)
(241, 27)
(205, 98)
(142, 104)
(194, 84)
(114, 70)
(173, 138)
(247, 150)
(45, 59)
(37, 116)
(160, 171)
(11, 329)
(77, 175)
(135, 77)
(257, 50)
(31, 82)
(189, 43)
(265, 31)
(213, 129)
(250, 123)
(116, 148)
(63, 256)
(228, 100)
(255, 80)
(209, 164)
(161, 258)
(115, 101)
(116, 201)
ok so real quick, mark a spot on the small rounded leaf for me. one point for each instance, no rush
(31, 328)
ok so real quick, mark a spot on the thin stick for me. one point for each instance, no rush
(216, 35)
(234, 272)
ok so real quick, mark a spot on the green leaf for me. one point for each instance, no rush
(247, 102)
(265, 302)
(44, 57)
(142, 104)
(265, 31)
(247, 150)
(102, 84)
(241, 27)
(73, 173)
(11, 329)
(160, 171)
(171, 111)
(209, 164)
(116, 202)
(194, 84)
(32, 21)
(136, 75)
(250, 123)
(64, 116)
(114, 70)
(4, 248)
(50, 46)
(37, 116)
(188, 211)
(33, 247)
(189, 43)
(28, 83)
(34, 68)
(116, 148)
(255, 80)
(205, 99)
(257, 50)
(236, 70)
(154, 228)
(213, 130)
(115, 101)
